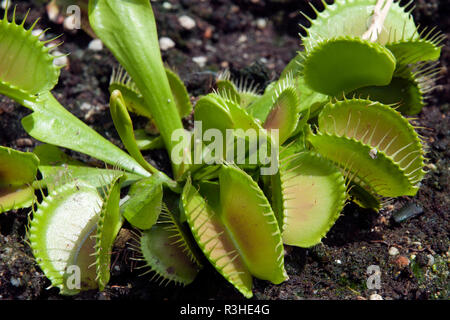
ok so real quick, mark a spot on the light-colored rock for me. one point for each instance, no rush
(375, 296)
(261, 23)
(201, 61)
(4, 2)
(187, 22)
(95, 45)
(60, 59)
(393, 251)
(71, 22)
(166, 43)
(430, 260)
(38, 33)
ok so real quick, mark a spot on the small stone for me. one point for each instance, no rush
(24, 142)
(338, 261)
(38, 33)
(430, 260)
(208, 33)
(407, 212)
(402, 262)
(53, 12)
(373, 153)
(242, 38)
(261, 23)
(71, 23)
(60, 59)
(201, 61)
(167, 5)
(166, 43)
(4, 2)
(393, 251)
(86, 106)
(15, 282)
(96, 45)
(375, 296)
(187, 22)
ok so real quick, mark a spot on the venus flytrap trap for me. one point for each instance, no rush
(260, 169)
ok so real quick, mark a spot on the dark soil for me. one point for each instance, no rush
(229, 36)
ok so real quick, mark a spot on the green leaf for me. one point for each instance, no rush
(380, 174)
(227, 89)
(341, 65)
(143, 207)
(124, 127)
(284, 114)
(248, 216)
(108, 226)
(213, 112)
(364, 198)
(261, 107)
(312, 194)
(294, 67)
(57, 169)
(111, 22)
(167, 251)
(413, 51)
(60, 236)
(180, 94)
(147, 142)
(120, 80)
(214, 240)
(386, 133)
(17, 173)
(27, 67)
(352, 18)
(403, 91)
(51, 123)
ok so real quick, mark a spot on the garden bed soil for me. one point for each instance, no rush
(255, 39)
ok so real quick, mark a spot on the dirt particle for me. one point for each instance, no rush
(375, 296)
(402, 262)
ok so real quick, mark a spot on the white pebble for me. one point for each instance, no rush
(373, 153)
(71, 22)
(242, 38)
(338, 261)
(393, 251)
(187, 22)
(15, 282)
(261, 23)
(201, 61)
(38, 33)
(96, 45)
(375, 296)
(86, 106)
(60, 59)
(167, 5)
(52, 12)
(430, 260)
(4, 2)
(166, 43)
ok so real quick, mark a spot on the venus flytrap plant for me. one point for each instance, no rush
(259, 170)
